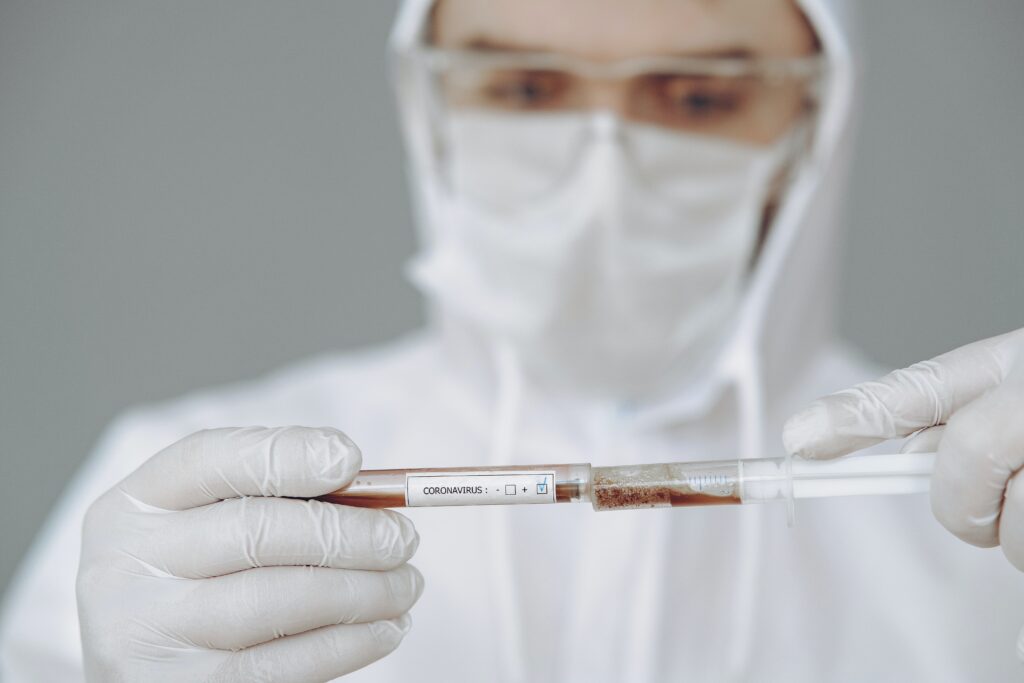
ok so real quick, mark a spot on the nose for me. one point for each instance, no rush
(609, 96)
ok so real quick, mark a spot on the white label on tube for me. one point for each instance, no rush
(479, 488)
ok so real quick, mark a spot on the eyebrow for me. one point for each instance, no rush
(487, 44)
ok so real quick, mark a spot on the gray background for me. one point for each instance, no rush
(195, 192)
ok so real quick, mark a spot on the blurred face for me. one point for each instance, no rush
(609, 250)
(608, 31)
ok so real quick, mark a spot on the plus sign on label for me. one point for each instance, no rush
(480, 488)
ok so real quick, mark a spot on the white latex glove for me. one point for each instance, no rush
(196, 568)
(970, 404)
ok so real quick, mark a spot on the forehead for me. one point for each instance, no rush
(612, 29)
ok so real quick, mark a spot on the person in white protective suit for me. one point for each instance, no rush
(628, 214)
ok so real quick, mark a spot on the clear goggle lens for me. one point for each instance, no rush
(742, 101)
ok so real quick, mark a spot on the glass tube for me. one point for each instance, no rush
(624, 487)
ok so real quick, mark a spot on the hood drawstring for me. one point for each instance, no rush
(648, 616)
(748, 380)
(645, 616)
(616, 594)
(507, 415)
(642, 647)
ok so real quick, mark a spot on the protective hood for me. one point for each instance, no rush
(784, 318)
(786, 313)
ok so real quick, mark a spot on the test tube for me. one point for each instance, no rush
(624, 487)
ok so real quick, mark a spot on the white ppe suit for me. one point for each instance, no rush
(860, 589)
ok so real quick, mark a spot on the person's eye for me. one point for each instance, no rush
(526, 89)
(695, 98)
(700, 103)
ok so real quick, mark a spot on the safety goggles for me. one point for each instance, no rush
(739, 100)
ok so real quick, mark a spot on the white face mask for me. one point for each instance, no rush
(615, 277)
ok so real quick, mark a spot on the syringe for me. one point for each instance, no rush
(622, 487)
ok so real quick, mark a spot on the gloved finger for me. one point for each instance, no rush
(316, 656)
(923, 395)
(256, 532)
(255, 606)
(1011, 522)
(925, 441)
(982, 447)
(217, 464)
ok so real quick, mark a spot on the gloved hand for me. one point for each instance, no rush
(197, 567)
(970, 405)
